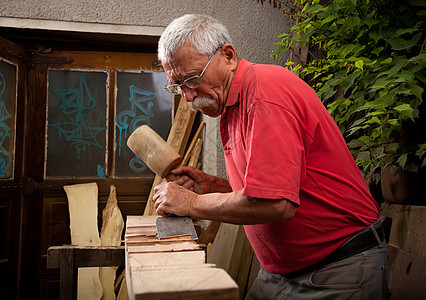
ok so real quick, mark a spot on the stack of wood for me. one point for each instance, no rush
(170, 268)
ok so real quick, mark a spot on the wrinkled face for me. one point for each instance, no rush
(210, 96)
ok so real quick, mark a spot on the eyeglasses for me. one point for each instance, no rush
(192, 82)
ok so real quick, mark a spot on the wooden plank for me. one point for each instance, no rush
(181, 127)
(241, 260)
(208, 236)
(172, 268)
(186, 283)
(182, 246)
(407, 274)
(232, 251)
(178, 138)
(155, 240)
(221, 253)
(193, 161)
(112, 228)
(193, 142)
(139, 221)
(144, 260)
(83, 209)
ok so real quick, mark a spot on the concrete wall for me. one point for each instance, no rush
(253, 28)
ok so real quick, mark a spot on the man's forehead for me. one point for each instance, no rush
(183, 63)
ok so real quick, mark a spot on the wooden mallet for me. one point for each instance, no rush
(159, 156)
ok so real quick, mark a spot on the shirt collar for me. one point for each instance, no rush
(242, 68)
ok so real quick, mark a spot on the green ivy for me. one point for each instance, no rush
(367, 66)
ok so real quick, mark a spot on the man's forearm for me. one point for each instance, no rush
(237, 208)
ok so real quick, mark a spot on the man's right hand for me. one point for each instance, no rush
(191, 179)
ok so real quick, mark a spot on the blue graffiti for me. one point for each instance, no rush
(128, 121)
(75, 128)
(101, 172)
(5, 134)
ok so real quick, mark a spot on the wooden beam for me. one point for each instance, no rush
(195, 155)
(193, 142)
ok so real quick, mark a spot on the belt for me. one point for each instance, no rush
(359, 242)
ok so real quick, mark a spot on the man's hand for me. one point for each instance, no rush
(198, 181)
(190, 178)
(171, 198)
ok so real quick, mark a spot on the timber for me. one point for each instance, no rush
(173, 268)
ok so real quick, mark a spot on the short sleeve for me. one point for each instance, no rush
(274, 152)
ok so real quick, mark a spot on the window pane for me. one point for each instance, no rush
(76, 124)
(7, 118)
(141, 100)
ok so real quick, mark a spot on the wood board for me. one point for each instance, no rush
(83, 210)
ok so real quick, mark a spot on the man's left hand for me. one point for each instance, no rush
(171, 198)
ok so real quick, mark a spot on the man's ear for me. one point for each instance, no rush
(230, 55)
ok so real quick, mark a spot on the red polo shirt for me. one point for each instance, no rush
(280, 142)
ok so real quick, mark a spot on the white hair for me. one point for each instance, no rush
(203, 32)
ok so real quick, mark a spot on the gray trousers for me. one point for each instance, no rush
(361, 276)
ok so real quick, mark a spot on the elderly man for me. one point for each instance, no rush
(292, 181)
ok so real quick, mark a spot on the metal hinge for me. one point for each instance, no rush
(28, 186)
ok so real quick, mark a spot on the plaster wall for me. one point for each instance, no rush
(253, 28)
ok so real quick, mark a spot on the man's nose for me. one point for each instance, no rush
(188, 93)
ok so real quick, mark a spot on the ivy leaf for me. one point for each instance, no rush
(352, 22)
(355, 144)
(405, 109)
(391, 148)
(394, 122)
(363, 156)
(359, 64)
(420, 3)
(386, 61)
(313, 8)
(400, 32)
(352, 130)
(333, 8)
(403, 44)
(402, 160)
(405, 76)
(346, 49)
(370, 21)
(421, 151)
(283, 35)
(377, 51)
(416, 90)
(421, 76)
